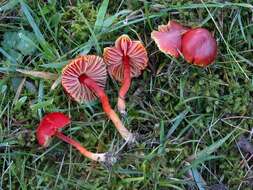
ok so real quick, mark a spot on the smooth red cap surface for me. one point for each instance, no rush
(124, 46)
(199, 47)
(89, 65)
(168, 38)
(49, 125)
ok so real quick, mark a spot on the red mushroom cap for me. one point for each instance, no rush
(199, 47)
(89, 65)
(124, 46)
(49, 125)
(168, 38)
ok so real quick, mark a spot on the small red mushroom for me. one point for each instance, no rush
(199, 47)
(84, 79)
(168, 38)
(50, 126)
(125, 61)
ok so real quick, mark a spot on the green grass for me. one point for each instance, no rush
(190, 118)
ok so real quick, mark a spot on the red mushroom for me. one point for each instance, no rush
(125, 61)
(84, 79)
(199, 47)
(168, 38)
(51, 124)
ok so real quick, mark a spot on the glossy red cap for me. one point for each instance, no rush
(199, 47)
(49, 125)
(90, 65)
(124, 46)
(168, 38)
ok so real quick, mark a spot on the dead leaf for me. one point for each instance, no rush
(245, 145)
(39, 74)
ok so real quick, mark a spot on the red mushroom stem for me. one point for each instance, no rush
(125, 86)
(128, 136)
(101, 157)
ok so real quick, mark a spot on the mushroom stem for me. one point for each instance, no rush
(128, 136)
(101, 157)
(125, 86)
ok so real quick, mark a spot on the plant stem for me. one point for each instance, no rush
(125, 85)
(128, 136)
(101, 157)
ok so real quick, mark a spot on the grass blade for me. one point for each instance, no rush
(38, 34)
(5, 54)
(198, 179)
(210, 149)
(101, 16)
(176, 122)
(8, 6)
(46, 48)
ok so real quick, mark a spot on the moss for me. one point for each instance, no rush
(73, 28)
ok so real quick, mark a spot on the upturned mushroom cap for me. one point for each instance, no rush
(89, 65)
(49, 125)
(168, 38)
(124, 46)
(199, 47)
